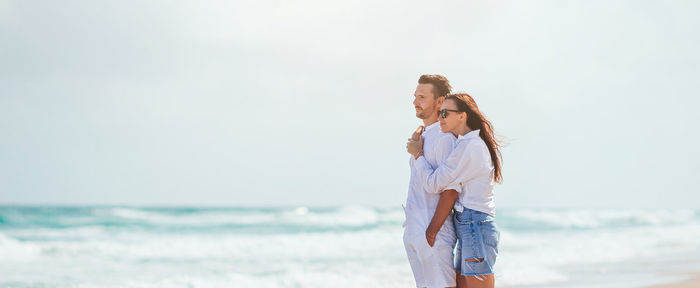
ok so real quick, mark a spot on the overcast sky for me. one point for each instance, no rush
(309, 102)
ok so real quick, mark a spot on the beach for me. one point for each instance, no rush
(693, 281)
(350, 246)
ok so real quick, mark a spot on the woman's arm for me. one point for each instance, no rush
(435, 180)
(444, 207)
(442, 149)
(467, 161)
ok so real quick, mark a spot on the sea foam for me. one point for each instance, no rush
(352, 246)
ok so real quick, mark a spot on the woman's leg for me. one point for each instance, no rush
(479, 249)
(481, 281)
(461, 281)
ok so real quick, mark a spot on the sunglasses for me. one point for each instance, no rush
(443, 113)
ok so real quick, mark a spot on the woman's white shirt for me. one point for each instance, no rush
(469, 166)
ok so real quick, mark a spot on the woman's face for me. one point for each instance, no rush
(452, 121)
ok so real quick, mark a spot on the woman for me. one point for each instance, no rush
(475, 166)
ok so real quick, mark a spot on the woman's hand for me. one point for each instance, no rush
(414, 146)
(430, 235)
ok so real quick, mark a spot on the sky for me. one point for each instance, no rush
(277, 103)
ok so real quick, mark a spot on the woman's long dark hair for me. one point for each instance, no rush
(476, 120)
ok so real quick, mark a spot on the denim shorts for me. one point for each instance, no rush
(478, 237)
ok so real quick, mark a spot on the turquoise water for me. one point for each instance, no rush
(352, 246)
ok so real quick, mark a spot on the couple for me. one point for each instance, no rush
(455, 162)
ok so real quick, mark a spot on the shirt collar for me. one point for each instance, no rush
(432, 126)
(472, 134)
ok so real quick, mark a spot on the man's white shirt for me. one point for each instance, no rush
(432, 266)
(420, 203)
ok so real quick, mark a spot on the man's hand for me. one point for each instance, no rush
(414, 146)
(430, 235)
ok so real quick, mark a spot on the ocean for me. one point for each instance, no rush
(351, 246)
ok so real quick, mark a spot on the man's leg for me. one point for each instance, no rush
(414, 260)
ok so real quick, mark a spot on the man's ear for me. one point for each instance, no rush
(440, 100)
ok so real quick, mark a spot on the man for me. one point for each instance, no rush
(430, 244)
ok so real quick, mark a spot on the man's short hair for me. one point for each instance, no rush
(441, 86)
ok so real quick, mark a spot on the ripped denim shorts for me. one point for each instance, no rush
(478, 238)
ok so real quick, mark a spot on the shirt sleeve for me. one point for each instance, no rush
(463, 164)
(445, 145)
(443, 148)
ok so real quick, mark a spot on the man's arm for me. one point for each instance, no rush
(447, 201)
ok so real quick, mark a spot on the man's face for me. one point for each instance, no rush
(424, 101)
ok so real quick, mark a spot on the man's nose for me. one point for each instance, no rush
(415, 102)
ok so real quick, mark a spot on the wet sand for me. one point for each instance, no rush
(693, 282)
